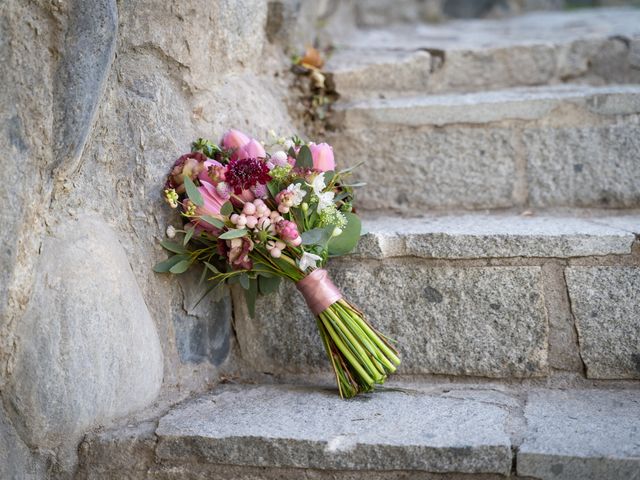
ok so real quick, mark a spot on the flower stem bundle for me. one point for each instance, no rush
(254, 218)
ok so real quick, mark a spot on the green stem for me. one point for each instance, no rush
(374, 337)
(358, 350)
(345, 350)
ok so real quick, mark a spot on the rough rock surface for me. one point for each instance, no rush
(16, 460)
(89, 349)
(98, 102)
(478, 321)
(581, 434)
(604, 301)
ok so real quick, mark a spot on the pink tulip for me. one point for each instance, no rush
(322, 157)
(204, 175)
(234, 139)
(212, 204)
(253, 149)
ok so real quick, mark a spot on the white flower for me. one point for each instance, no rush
(308, 260)
(298, 193)
(279, 158)
(171, 231)
(288, 143)
(324, 198)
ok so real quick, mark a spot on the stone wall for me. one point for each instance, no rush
(98, 99)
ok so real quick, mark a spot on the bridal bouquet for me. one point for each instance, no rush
(255, 218)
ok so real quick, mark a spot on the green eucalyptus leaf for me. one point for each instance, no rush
(250, 295)
(234, 233)
(188, 235)
(292, 152)
(165, 265)
(268, 284)
(317, 236)
(305, 159)
(244, 281)
(348, 239)
(216, 222)
(181, 267)
(226, 209)
(192, 192)
(211, 267)
(173, 247)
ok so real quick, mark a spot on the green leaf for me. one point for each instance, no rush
(165, 265)
(328, 176)
(226, 209)
(268, 284)
(212, 221)
(234, 233)
(347, 170)
(173, 247)
(305, 159)
(192, 192)
(348, 239)
(211, 287)
(181, 266)
(250, 296)
(272, 186)
(355, 185)
(317, 236)
(188, 235)
(244, 281)
(211, 267)
(292, 152)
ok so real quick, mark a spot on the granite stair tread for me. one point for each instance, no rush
(592, 46)
(562, 234)
(518, 103)
(476, 430)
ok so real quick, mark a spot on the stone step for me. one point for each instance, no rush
(479, 295)
(410, 431)
(593, 46)
(559, 146)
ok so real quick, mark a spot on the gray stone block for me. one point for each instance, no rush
(415, 170)
(497, 235)
(584, 166)
(88, 348)
(606, 305)
(307, 427)
(551, 146)
(477, 321)
(586, 435)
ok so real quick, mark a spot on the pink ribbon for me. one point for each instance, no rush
(318, 291)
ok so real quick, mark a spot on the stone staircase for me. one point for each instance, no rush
(502, 253)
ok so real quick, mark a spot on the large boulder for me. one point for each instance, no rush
(87, 347)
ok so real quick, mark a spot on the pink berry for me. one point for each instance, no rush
(249, 209)
(275, 252)
(251, 221)
(234, 218)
